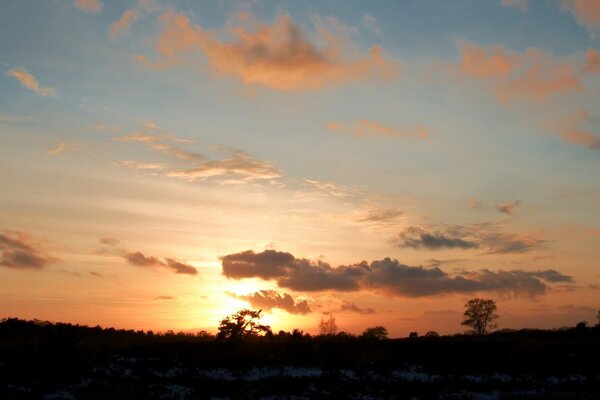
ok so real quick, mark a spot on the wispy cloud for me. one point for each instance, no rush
(123, 24)
(276, 55)
(138, 259)
(530, 75)
(269, 299)
(28, 81)
(63, 148)
(351, 307)
(364, 128)
(385, 275)
(238, 165)
(575, 129)
(486, 236)
(508, 208)
(89, 6)
(587, 13)
(141, 165)
(371, 23)
(20, 251)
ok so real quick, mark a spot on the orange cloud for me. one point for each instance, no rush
(365, 128)
(276, 55)
(572, 130)
(531, 75)
(593, 61)
(238, 165)
(478, 61)
(90, 6)
(28, 81)
(587, 12)
(123, 24)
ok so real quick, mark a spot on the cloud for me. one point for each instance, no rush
(236, 165)
(140, 165)
(351, 307)
(485, 236)
(508, 208)
(573, 129)
(522, 5)
(269, 299)
(586, 12)
(140, 260)
(164, 298)
(63, 147)
(531, 75)
(371, 23)
(386, 275)
(364, 128)
(162, 143)
(381, 215)
(277, 55)
(110, 241)
(593, 61)
(180, 268)
(239, 164)
(123, 24)
(28, 81)
(89, 6)
(18, 250)
(416, 238)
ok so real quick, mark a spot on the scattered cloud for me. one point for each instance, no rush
(508, 208)
(20, 251)
(522, 5)
(328, 188)
(180, 268)
(277, 55)
(164, 298)
(166, 144)
(351, 307)
(140, 165)
(364, 128)
(386, 275)
(89, 6)
(239, 164)
(63, 148)
(592, 64)
(486, 236)
(371, 23)
(28, 81)
(530, 75)
(574, 129)
(586, 12)
(140, 260)
(417, 237)
(123, 24)
(269, 299)
(381, 215)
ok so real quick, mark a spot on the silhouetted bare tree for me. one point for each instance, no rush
(242, 324)
(479, 315)
(328, 327)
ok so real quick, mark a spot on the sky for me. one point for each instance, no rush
(166, 163)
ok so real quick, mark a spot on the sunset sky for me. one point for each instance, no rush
(166, 163)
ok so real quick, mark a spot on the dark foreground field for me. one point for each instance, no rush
(61, 361)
